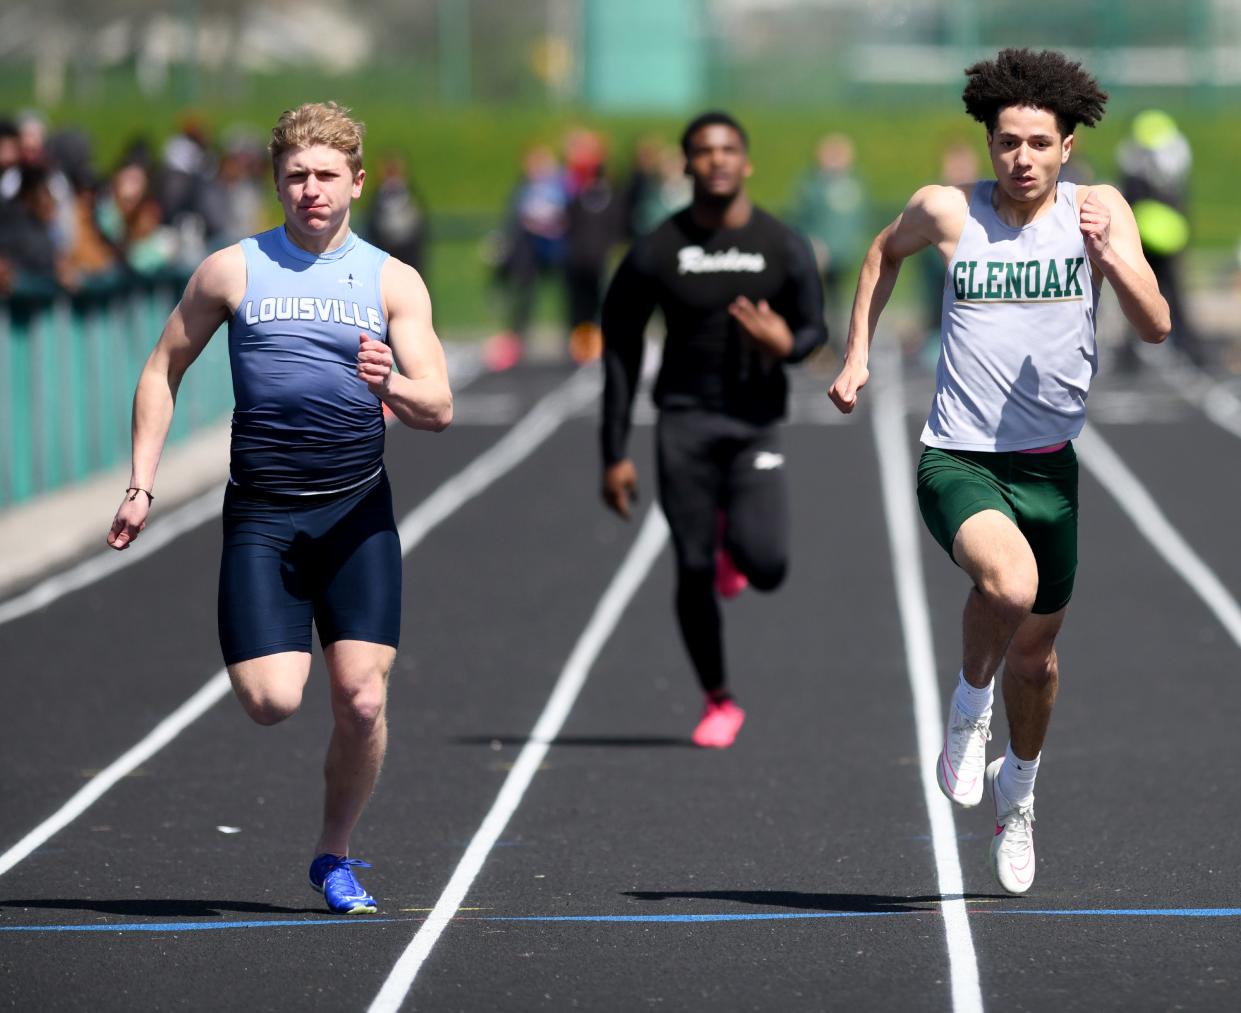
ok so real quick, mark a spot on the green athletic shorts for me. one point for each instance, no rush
(1037, 491)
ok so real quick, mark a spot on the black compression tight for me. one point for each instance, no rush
(721, 479)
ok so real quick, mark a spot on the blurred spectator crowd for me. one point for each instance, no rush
(564, 219)
(63, 228)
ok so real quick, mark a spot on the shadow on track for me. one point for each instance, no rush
(849, 903)
(628, 741)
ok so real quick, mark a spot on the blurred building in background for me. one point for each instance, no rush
(647, 54)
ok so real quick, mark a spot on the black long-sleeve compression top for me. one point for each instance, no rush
(693, 274)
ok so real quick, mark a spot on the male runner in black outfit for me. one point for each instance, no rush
(740, 297)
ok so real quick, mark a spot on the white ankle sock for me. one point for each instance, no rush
(971, 700)
(1017, 776)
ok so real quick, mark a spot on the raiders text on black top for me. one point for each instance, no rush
(693, 274)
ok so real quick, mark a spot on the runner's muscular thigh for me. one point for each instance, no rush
(993, 551)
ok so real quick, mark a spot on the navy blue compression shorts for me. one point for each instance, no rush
(288, 562)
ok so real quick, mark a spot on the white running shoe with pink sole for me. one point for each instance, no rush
(963, 760)
(1012, 847)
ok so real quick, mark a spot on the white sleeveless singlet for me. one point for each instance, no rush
(1018, 349)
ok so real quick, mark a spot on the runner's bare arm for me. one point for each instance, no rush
(419, 395)
(1112, 241)
(210, 296)
(934, 216)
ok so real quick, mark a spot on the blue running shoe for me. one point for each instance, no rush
(333, 877)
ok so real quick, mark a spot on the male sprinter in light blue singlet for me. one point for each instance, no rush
(997, 481)
(316, 319)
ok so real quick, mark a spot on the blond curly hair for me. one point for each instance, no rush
(317, 123)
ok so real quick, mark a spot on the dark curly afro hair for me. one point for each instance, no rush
(1046, 80)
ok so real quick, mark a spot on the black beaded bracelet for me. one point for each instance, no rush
(133, 490)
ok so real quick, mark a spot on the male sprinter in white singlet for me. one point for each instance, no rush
(997, 481)
(316, 318)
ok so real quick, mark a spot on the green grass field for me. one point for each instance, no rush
(464, 159)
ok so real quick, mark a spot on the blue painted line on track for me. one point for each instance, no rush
(1206, 912)
(204, 926)
(1196, 912)
(1134, 912)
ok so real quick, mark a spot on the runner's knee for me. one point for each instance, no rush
(270, 688)
(269, 705)
(1010, 591)
(765, 575)
(1032, 660)
(361, 710)
(694, 576)
(359, 703)
(1034, 670)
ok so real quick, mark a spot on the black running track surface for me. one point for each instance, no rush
(815, 820)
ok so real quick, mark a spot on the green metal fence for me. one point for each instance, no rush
(68, 367)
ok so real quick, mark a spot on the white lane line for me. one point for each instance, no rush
(505, 454)
(1192, 384)
(891, 442)
(465, 368)
(195, 707)
(185, 518)
(642, 555)
(1223, 407)
(1218, 401)
(1131, 496)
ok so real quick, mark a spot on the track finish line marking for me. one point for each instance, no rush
(650, 919)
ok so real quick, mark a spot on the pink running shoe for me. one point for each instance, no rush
(502, 351)
(719, 725)
(729, 581)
